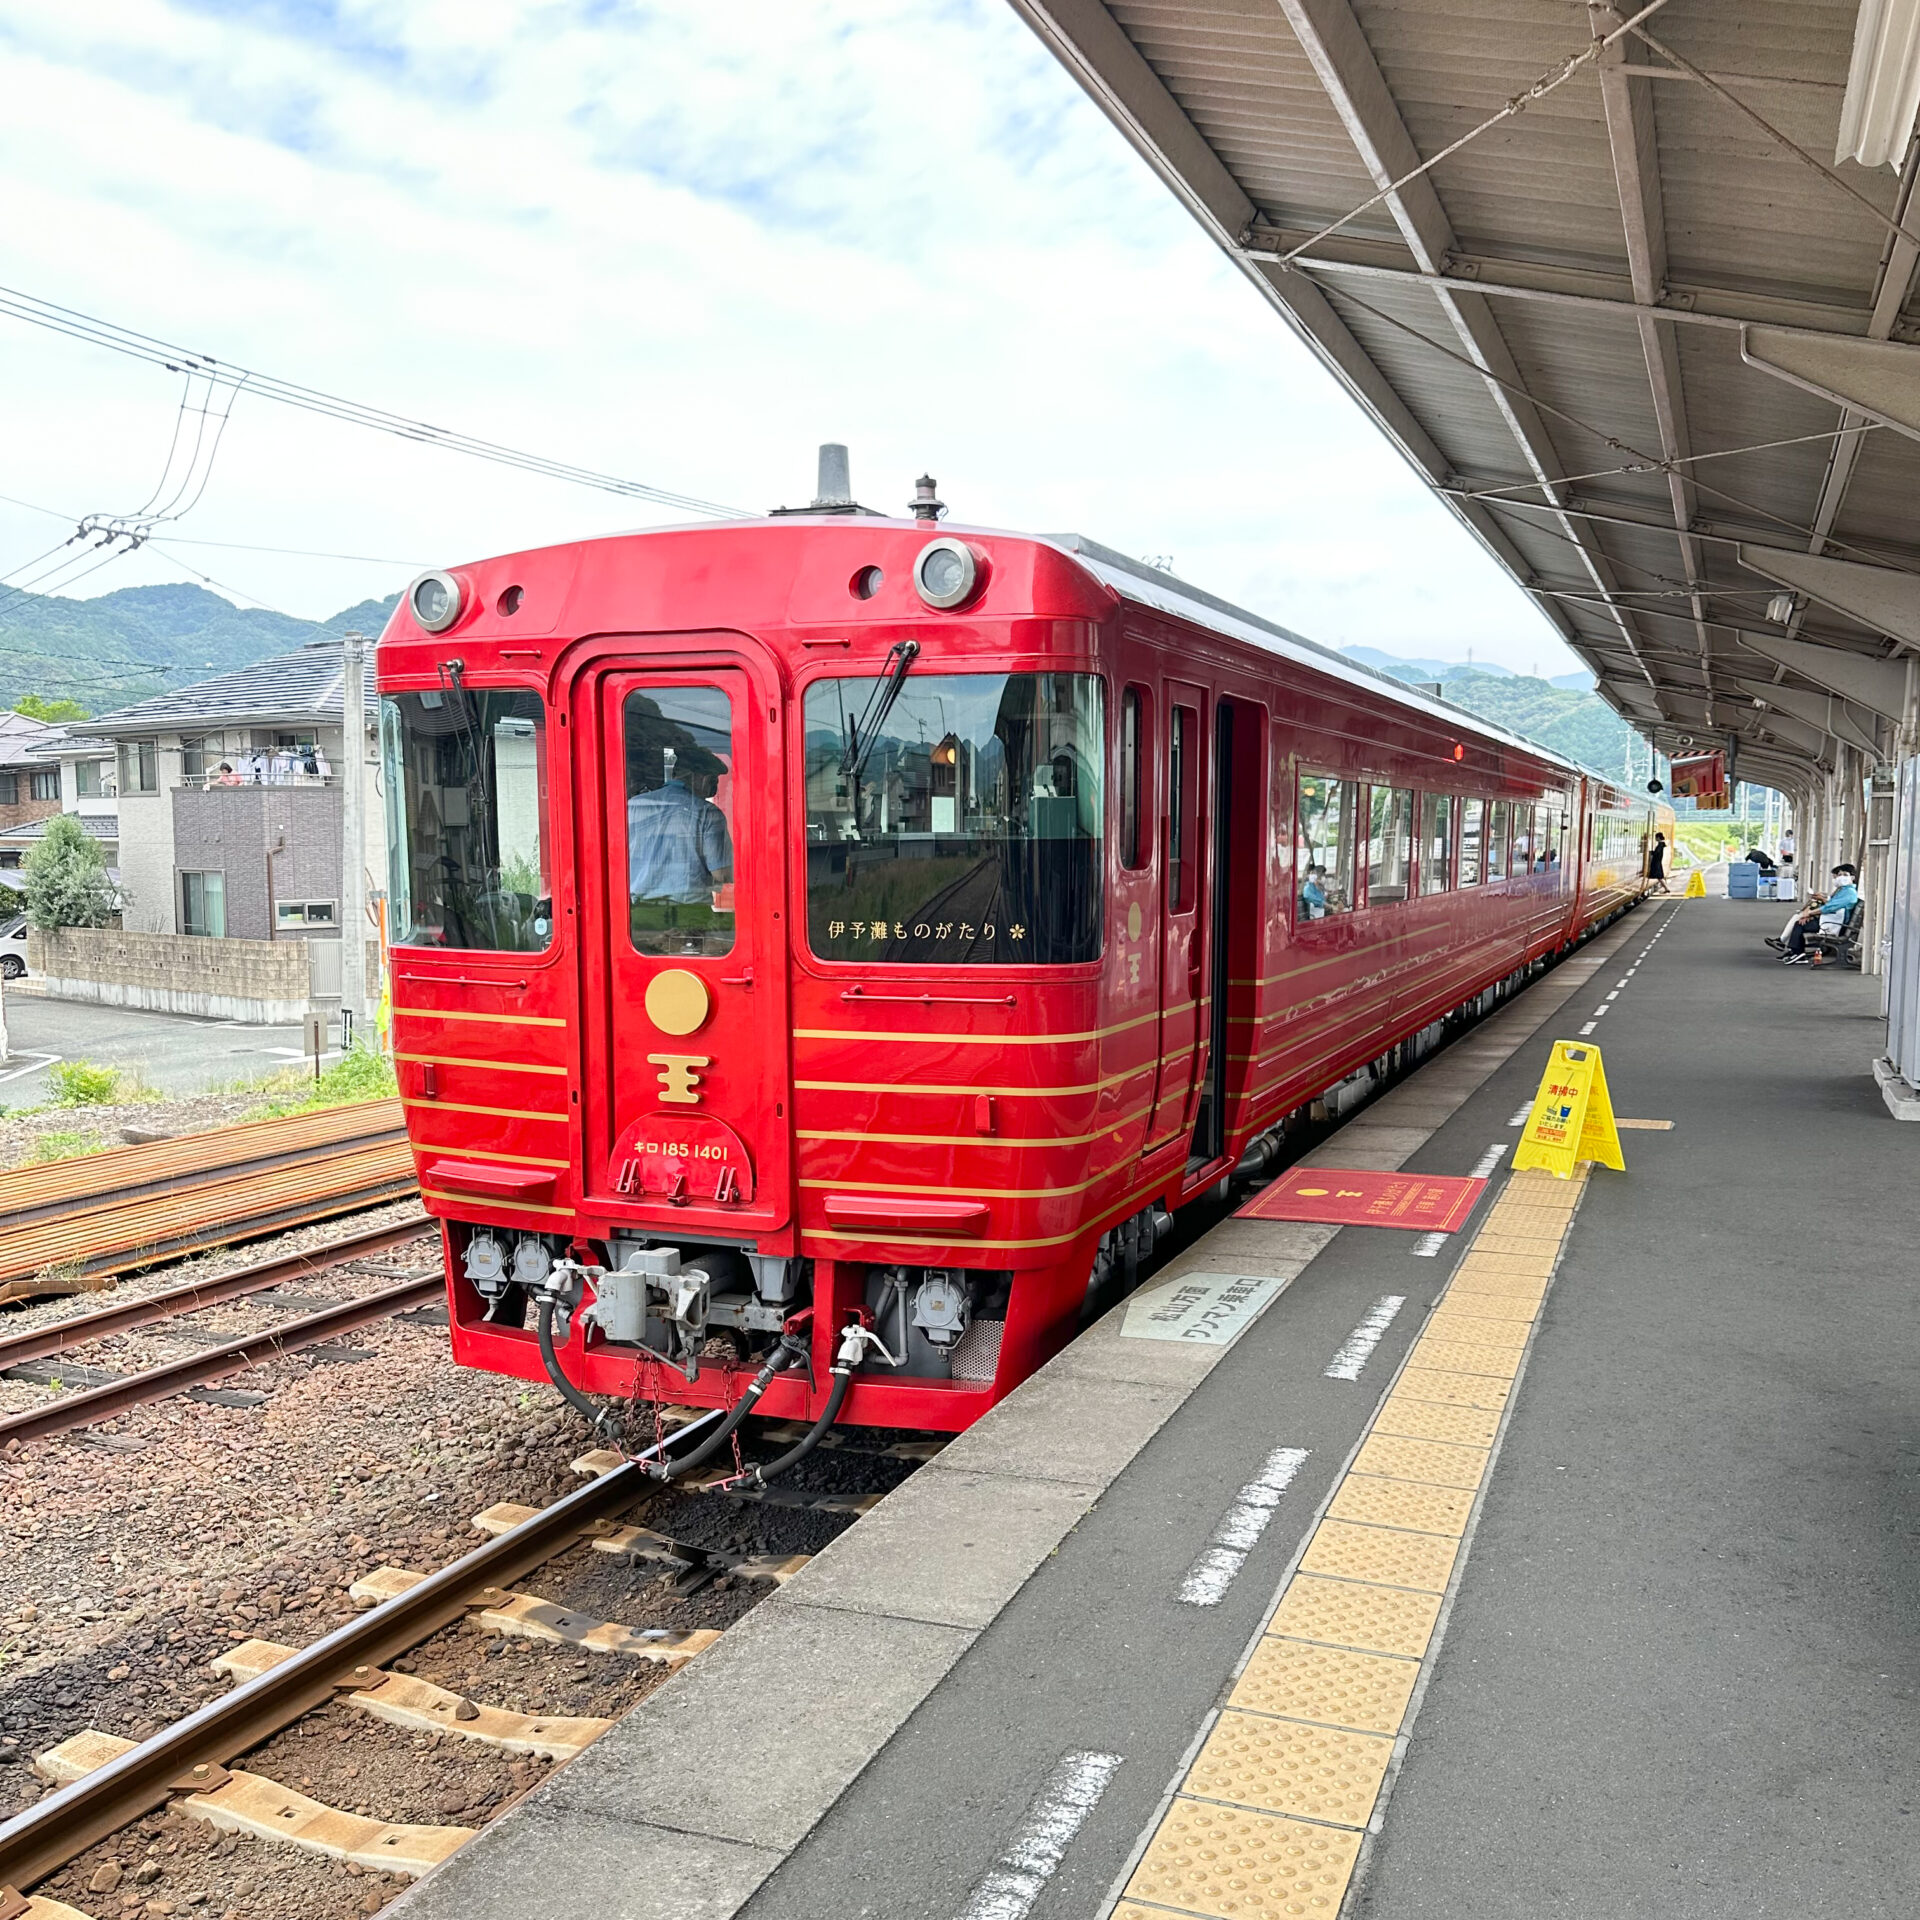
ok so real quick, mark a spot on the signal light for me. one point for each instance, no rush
(1459, 752)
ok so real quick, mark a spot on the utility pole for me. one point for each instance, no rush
(353, 833)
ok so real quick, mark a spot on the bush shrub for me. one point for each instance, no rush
(79, 1083)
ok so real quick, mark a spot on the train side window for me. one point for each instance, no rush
(1183, 805)
(1473, 826)
(1436, 842)
(1324, 844)
(1497, 840)
(680, 810)
(1389, 844)
(1521, 850)
(1132, 733)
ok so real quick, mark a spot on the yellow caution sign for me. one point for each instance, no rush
(1572, 1117)
(1696, 886)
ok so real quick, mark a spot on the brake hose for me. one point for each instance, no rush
(853, 1343)
(789, 1351)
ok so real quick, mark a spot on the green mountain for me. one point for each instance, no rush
(125, 646)
(1578, 724)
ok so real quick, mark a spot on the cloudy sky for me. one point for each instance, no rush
(679, 242)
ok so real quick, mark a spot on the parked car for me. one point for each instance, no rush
(13, 947)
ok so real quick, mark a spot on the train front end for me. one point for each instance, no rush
(733, 874)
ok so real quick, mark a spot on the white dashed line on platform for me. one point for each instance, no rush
(1054, 1816)
(1246, 1520)
(1357, 1348)
(1588, 1028)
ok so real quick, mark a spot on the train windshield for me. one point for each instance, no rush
(970, 830)
(466, 778)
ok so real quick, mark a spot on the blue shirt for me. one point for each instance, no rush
(678, 847)
(1843, 899)
(1313, 898)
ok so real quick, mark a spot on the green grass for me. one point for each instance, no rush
(61, 1146)
(360, 1074)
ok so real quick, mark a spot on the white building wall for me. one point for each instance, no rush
(146, 861)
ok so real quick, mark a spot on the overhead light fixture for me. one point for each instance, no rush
(1883, 84)
(1780, 609)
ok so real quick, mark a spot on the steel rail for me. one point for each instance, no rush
(191, 1753)
(80, 1328)
(158, 1383)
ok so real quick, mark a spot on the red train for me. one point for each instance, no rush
(835, 922)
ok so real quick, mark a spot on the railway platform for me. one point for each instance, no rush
(1565, 1568)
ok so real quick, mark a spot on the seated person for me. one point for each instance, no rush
(1845, 896)
(1313, 894)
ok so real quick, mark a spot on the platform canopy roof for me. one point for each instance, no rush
(1631, 289)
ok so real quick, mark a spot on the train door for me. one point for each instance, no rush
(1209, 1126)
(1183, 1031)
(692, 1065)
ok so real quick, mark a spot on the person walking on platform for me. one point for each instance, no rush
(1792, 944)
(1657, 863)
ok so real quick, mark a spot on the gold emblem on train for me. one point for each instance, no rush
(677, 1001)
(680, 1078)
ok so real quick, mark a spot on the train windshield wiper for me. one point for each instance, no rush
(864, 732)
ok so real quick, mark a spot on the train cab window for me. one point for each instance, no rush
(1132, 767)
(1324, 845)
(1389, 844)
(678, 743)
(1473, 827)
(1436, 841)
(956, 818)
(1497, 828)
(466, 780)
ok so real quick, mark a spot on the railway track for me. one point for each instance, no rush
(69, 1226)
(103, 1783)
(102, 1398)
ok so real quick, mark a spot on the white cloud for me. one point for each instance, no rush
(682, 243)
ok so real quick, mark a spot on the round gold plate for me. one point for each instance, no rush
(678, 1001)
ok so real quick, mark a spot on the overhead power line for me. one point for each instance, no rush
(160, 353)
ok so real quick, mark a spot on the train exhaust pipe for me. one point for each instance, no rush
(834, 493)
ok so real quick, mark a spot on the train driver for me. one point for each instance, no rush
(679, 849)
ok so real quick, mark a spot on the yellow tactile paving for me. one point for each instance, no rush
(1452, 1388)
(1467, 1356)
(1439, 1462)
(1401, 1503)
(1286, 1766)
(1334, 1685)
(1266, 1822)
(1388, 1556)
(1230, 1864)
(1420, 1419)
(1344, 1613)
(1457, 1321)
(1501, 1266)
(1510, 1295)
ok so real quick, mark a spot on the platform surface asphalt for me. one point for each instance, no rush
(1677, 1675)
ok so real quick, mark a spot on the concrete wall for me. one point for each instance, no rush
(256, 980)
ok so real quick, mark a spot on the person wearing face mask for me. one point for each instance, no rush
(1842, 900)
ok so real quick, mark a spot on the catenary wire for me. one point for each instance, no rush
(140, 346)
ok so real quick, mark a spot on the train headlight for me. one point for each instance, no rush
(436, 601)
(946, 572)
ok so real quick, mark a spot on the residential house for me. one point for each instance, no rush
(29, 785)
(72, 774)
(230, 810)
